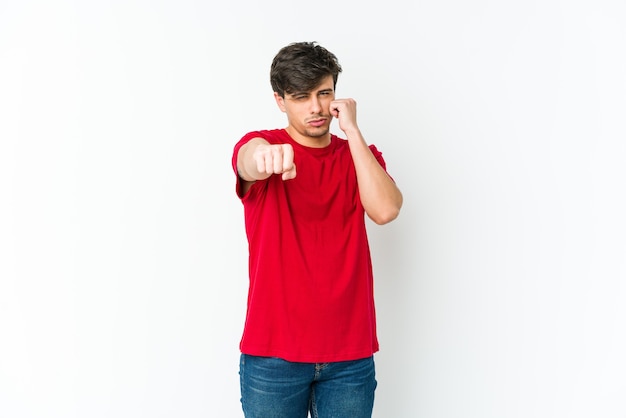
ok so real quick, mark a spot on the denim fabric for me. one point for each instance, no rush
(275, 388)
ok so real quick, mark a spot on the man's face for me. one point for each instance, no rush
(308, 113)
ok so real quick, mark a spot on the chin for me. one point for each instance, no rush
(316, 133)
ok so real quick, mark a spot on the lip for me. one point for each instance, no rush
(317, 122)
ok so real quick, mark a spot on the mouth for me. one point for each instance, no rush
(317, 122)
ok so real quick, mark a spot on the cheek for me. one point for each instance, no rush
(293, 112)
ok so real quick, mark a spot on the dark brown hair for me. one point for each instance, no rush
(301, 66)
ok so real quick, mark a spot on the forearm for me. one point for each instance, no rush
(380, 196)
(246, 164)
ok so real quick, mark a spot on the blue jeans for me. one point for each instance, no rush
(275, 388)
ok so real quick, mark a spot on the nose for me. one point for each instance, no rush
(316, 105)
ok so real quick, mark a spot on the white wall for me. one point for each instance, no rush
(122, 252)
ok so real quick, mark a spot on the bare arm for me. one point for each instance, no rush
(380, 196)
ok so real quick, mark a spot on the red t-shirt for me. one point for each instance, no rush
(310, 296)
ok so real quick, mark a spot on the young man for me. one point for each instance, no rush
(310, 330)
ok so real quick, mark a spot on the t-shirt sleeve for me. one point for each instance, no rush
(379, 156)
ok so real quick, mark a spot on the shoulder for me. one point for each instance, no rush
(340, 143)
(273, 136)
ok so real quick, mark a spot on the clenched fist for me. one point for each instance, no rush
(345, 111)
(275, 159)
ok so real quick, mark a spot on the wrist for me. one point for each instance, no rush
(353, 134)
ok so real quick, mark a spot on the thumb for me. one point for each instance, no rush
(290, 174)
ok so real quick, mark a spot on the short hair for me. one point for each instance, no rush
(301, 66)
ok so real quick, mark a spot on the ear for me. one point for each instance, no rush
(280, 101)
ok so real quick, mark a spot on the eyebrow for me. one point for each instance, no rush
(307, 93)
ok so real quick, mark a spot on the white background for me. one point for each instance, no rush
(500, 289)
